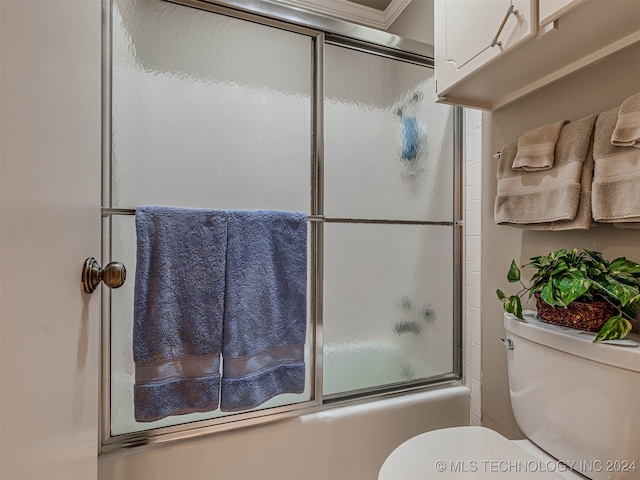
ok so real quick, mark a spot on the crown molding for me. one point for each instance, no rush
(353, 12)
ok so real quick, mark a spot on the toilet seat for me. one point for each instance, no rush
(472, 453)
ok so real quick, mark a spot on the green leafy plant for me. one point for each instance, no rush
(563, 277)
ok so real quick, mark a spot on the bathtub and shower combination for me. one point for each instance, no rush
(241, 105)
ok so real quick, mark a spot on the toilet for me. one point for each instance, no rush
(578, 403)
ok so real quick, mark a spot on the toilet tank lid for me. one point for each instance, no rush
(617, 353)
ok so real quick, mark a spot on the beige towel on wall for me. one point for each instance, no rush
(627, 130)
(583, 219)
(616, 176)
(549, 199)
(536, 148)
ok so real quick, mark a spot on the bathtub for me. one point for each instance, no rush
(341, 442)
(380, 361)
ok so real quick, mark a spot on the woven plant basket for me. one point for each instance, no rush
(582, 316)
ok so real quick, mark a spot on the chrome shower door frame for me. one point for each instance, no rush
(321, 30)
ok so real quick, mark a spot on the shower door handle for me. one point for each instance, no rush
(113, 275)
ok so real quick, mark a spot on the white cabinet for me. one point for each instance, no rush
(545, 41)
(467, 39)
(551, 10)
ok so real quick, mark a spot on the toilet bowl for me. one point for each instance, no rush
(471, 453)
(578, 403)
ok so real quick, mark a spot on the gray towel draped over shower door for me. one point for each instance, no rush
(265, 307)
(216, 286)
(178, 310)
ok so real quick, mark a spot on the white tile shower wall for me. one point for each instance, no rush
(473, 248)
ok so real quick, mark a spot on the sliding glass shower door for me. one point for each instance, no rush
(218, 108)
(389, 228)
(208, 111)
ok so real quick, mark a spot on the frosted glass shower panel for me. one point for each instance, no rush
(388, 304)
(208, 111)
(388, 146)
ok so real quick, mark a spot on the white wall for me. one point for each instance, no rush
(415, 22)
(50, 162)
(593, 90)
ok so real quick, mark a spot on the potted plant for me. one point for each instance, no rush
(580, 290)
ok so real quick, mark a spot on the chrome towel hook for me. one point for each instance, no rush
(113, 275)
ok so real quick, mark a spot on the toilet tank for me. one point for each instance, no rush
(578, 401)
